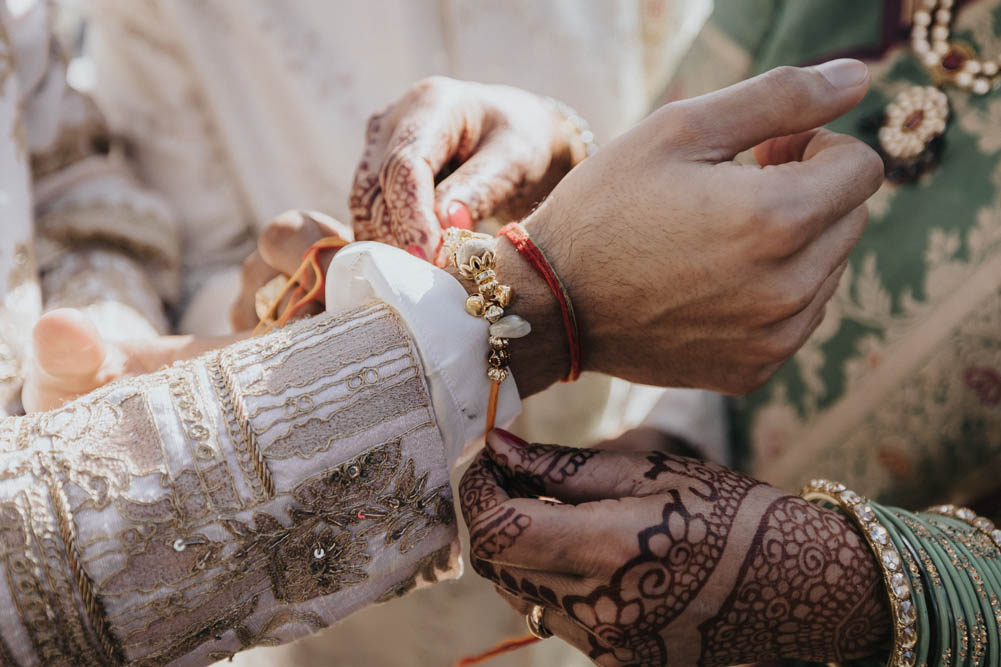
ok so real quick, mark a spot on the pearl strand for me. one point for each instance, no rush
(933, 21)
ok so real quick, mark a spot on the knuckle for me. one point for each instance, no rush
(783, 345)
(680, 122)
(871, 168)
(431, 84)
(792, 298)
(777, 304)
(775, 223)
(787, 86)
(767, 206)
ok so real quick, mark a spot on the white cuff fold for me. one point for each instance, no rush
(453, 346)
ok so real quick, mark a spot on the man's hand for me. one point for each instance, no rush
(652, 559)
(688, 269)
(280, 250)
(449, 153)
(70, 357)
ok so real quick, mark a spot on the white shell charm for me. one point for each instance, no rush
(511, 326)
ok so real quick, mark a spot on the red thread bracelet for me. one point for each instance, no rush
(526, 247)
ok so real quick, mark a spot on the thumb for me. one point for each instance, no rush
(569, 474)
(780, 102)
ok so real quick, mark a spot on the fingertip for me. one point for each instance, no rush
(844, 73)
(66, 343)
(457, 215)
(500, 440)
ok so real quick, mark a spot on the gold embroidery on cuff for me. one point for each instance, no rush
(248, 453)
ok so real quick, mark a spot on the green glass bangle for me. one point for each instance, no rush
(960, 598)
(941, 613)
(920, 589)
(992, 535)
(962, 534)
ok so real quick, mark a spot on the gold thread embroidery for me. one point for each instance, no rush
(94, 608)
(249, 455)
(426, 571)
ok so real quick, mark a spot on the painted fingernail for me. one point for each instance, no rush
(508, 438)
(417, 251)
(843, 72)
(458, 215)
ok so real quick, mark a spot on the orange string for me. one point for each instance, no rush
(507, 645)
(503, 647)
(492, 407)
(300, 297)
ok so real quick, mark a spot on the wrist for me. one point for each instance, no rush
(540, 358)
(852, 613)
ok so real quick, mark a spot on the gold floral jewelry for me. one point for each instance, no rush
(917, 117)
(473, 256)
(898, 585)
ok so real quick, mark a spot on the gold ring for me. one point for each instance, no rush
(535, 623)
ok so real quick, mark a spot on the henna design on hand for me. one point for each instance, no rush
(368, 212)
(676, 557)
(519, 587)
(496, 150)
(497, 526)
(808, 589)
(376, 195)
(535, 466)
(806, 585)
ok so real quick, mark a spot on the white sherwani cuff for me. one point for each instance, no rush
(453, 345)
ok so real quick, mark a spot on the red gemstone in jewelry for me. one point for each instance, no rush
(953, 60)
(913, 121)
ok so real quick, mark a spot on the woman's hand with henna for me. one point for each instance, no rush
(449, 153)
(652, 559)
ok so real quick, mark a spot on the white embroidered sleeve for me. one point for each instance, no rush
(251, 496)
